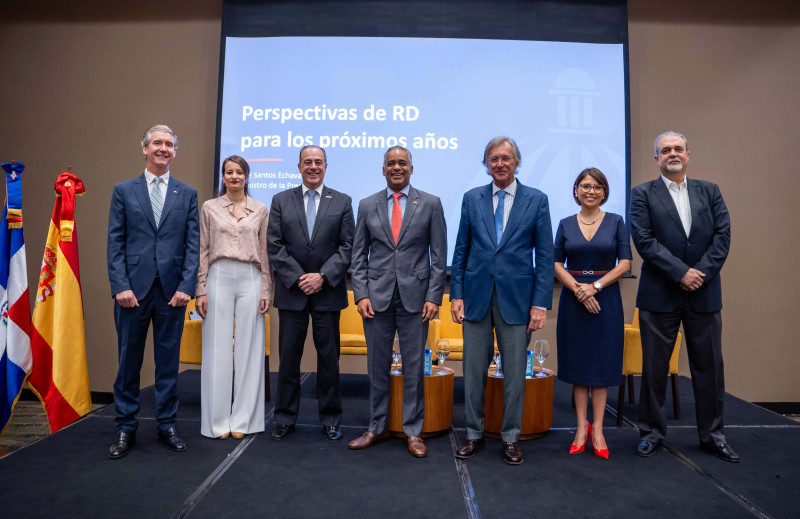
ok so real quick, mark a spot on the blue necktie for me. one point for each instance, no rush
(311, 211)
(498, 215)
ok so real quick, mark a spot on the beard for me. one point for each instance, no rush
(675, 168)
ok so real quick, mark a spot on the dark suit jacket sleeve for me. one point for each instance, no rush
(461, 253)
(361, 244)
(712, 260)
(438, 251)
(191, 249)
(287, 269)
(543, 282)
(335, 268)
(115, 246)
(644, 239)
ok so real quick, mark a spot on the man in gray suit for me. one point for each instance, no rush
(398, 273)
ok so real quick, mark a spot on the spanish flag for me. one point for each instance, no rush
(60, 376)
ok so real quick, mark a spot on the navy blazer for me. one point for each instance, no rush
(137, 250)
(328, 252)
(416, 264)
(668, 253)
(479, 264)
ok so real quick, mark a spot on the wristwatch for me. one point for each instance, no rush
(598, 286)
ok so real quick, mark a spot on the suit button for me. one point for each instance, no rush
(154, 258)
(491, 276)
(497, 253)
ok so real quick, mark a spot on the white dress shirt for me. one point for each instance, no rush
(316, 199)
(680, 195)
(151, 181)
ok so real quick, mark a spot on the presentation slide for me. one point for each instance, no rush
(443, 99)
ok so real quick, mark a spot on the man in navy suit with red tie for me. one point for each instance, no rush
(682, 231)
(153, 253)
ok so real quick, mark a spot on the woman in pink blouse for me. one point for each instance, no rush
(233, 281)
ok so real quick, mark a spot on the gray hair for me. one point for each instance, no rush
(410, 160)
(159, 128)
(670, 133)
(497, 141)
(300, 159)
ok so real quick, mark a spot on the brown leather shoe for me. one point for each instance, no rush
(366, 440)
(468, 448)
(512, 454)
(416, 447)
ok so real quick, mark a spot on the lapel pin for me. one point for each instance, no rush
(328, 196)
(414, 202)
(175, 191)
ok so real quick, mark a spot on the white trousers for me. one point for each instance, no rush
(232, 378)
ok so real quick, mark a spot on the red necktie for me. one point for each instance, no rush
(397, 217)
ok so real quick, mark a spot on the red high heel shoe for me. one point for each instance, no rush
(576, 449)
(600, 453)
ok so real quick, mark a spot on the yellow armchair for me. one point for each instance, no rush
(632, 365)
(192, 343)
(351, 329)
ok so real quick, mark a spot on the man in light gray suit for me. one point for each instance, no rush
(398, 273)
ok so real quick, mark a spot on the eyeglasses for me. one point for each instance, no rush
(588, 187)
(505, 159)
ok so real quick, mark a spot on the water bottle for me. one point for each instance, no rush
(529, 365)
(428, 362)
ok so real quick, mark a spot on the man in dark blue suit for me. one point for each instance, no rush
(310, 241)
(153, 253)
(495, 286)
(682, 231)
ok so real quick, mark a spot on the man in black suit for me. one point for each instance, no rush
(682, 231)
(310, 240)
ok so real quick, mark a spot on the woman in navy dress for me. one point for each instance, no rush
(595, 246)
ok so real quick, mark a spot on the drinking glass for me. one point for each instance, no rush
(541, 350)
(396, 357)
(498, 363)
(442, 352)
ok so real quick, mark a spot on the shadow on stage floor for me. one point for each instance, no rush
(68, 474)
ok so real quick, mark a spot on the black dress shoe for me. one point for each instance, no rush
(282, 431)
(123, 446)
(721, 450)
(171, 440)
(332, 433)
(512, 454)
(468, 448)
(647, 448)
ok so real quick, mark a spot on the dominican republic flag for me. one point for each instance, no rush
(16, 358)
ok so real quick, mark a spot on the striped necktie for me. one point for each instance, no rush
(157, 199)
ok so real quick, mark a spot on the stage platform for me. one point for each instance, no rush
(68, 474)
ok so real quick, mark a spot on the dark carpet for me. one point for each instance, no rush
(68, 475)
